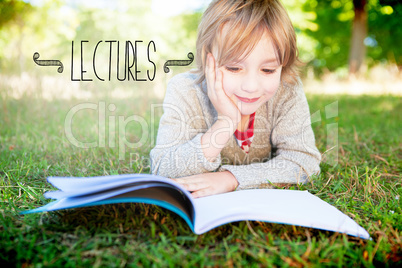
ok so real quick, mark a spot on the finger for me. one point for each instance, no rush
(211, 63)
(210, 68)
(181, 182)
(210, 72)
(194, 186)
(201, 193)
(220, 91)
(210, 75)
(188, 179)
(219, 84)
(193, 183)
(175, 180)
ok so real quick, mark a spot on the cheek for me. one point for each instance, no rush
(272, 85)
(229, 84)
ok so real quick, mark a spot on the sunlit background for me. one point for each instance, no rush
(53, 126)
(325, 30)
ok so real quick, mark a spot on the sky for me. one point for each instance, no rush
(164, 8)
(175, 7)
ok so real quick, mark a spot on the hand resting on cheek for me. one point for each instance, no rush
(224, 105)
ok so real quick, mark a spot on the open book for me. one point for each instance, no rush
(202, 214)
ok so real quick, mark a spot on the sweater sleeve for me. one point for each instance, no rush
(296, 157)
(178, 151)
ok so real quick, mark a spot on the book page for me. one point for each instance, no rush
(165, 194)
(279, 206)
(74, 187)
(96, 189)
(74, 184)
(78, 192)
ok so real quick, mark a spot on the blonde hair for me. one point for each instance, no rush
(245, 22)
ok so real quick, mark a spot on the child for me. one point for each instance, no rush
(242, 119)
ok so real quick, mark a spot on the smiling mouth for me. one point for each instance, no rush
(247, 100)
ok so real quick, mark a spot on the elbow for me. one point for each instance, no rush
(154, 162)
(160, 165)
(312, 173)
(315, 170)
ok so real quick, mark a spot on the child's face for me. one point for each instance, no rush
(254, 80)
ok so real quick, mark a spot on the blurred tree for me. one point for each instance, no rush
(13, 10)
(347, 29)
(385, 32)
(36, 27)
(359, 33)
(333, 20)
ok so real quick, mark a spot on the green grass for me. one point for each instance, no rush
(365, 185)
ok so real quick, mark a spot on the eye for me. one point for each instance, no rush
(268, 71)
(232, 69)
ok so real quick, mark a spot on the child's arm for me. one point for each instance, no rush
(185, 144)
(187, 116)
(229, 115)
(179, 152)
(296, 158)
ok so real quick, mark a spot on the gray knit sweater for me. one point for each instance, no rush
(283, 148)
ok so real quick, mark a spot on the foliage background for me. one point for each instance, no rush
(34, 101)
(323, 28)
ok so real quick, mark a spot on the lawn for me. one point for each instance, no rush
(363, 181)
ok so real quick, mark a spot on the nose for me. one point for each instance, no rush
(250, 82)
